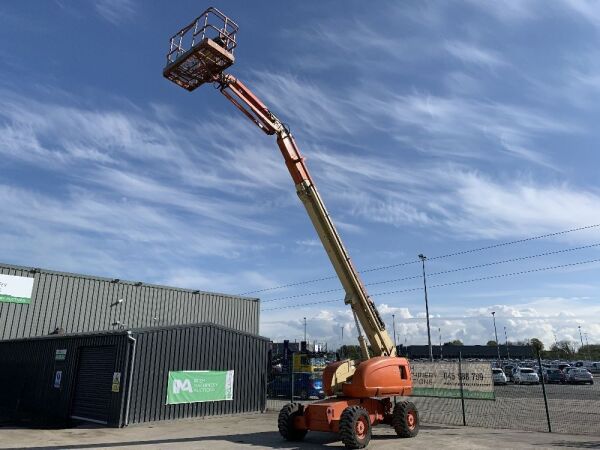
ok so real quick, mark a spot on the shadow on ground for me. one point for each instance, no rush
(314, 440)
(571, 444)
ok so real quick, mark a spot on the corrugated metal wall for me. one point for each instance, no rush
(80, 303)
(28, 368)
(201, 347)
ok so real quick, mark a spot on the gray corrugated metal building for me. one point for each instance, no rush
(31, 387)
(81, 303)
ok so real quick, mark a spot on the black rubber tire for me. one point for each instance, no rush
(285, 422)
(348, 427)
(304, 395)
(400, 419)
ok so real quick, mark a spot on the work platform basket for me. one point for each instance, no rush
(200, 51)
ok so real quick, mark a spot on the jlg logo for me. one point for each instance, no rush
(182, 385)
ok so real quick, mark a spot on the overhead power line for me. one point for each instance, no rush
(460, 269)
(452, 283)
(448, 255)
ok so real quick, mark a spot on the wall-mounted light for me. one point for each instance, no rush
(118, 302)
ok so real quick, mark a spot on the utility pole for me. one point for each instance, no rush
(556, 345)
(507, 350)
(496, 333)
(423, 258)
(580, 337)
(305, 331)
(441, 352)
(394, 327)
(587, 343)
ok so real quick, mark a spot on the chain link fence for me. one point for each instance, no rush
(566, 407)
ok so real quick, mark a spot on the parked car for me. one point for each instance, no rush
(306, 385)
(595, 367)
(580, 375)
(498, 376)
(566, 371)
(526, 375)
(508, 371)
(554, 376)
(563, 366)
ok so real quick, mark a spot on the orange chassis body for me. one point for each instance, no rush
(372, 385)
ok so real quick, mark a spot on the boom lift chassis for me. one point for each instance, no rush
(361, 392)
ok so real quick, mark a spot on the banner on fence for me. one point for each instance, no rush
(192, 386)
(443, 379)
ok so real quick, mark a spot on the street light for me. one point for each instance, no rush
(507, 350)
(441, 353)
(304, 329)
(496, 333)
(587, 343)
(423, 258)
(580, 337)
(394, 327)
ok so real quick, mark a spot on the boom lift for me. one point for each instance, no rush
(360, 392)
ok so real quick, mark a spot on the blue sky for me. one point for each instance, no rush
(430, 127)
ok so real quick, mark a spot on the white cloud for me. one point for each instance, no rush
(473, 54)
(116, 11)
(480, 206)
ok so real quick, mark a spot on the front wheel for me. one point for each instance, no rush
(285, 422)
(405, 419)
(355, 427)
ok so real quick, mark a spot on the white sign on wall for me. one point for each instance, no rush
(443, 379)
(14, 289)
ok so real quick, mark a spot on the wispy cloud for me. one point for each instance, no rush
(116, 11)
(473, 54)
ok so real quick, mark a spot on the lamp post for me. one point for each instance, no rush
(394, 328)
(580, 337)
(441, 352)
(496, 333)
(423, 258)
(507, 350)
(305, 331)
(587, 343)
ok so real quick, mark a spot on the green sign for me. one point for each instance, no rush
(14, 289)
(192, 386)
(60, 355)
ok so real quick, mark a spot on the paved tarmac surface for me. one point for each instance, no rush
(258, 431)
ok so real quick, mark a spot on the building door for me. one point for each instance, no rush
(91, 400)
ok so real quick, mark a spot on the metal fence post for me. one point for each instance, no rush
(462, 392)
(292, 390)
(544, 390)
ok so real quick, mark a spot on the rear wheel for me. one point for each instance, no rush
(406, 419)
(285, 422)
(355, 427)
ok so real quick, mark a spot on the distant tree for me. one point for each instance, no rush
(563, 349)
(589, 352)
(454, 342)
(491, 343)
(349, 352)
(536, 344)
